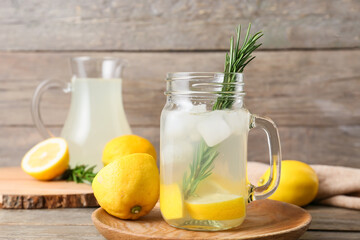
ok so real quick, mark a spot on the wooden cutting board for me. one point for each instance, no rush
(19, 190)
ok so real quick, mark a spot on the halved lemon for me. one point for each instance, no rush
(46, 160)
(216, 206)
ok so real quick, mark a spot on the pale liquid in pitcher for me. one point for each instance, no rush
(95, 117)
(220, 200)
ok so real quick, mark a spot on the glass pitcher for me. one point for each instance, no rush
(203, 152)
(96, 112)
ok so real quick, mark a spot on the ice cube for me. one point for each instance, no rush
(182, 125)
(175, 160)
(198, 108)
(214, 129)
(177, 124)
(194, 136)
(178, 153)
(185, 104)
(237, 120)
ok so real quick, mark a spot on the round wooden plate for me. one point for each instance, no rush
(266, 219)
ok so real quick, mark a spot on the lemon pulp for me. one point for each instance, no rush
(46, 160)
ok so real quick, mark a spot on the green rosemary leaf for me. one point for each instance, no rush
(231, 53)
(79, 174)
(238, 31)
(200, 168)
(235, 61)
(246, 36)
(247, 63)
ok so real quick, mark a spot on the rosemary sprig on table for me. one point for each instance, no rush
(79, 174)
(235, 62)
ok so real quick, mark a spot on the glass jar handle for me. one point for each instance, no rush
(264, 191)
(35, 104)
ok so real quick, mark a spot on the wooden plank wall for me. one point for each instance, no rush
(306, 77)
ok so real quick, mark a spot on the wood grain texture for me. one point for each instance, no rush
(334, 219)
(46, 217)
(42, 224)
(295, 88)
(65, 232)
(312, 96)
(326, 145)
(289, 222)
(175, 25)
(330, 235)
(20, 191)
(323, 217)
(18, 140)
(48, 201)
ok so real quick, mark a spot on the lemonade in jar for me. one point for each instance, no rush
(203, 152)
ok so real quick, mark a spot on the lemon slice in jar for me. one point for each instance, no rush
(171, 201)
(216, 206)
(46, 160)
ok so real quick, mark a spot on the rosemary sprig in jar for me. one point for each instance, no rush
(200, 168)
(235, 62)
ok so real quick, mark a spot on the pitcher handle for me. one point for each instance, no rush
(35, 103)
(264, 191)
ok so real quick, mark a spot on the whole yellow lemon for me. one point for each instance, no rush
(128, 187)
(125, 145)
(298, 185)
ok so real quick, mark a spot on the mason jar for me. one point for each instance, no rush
(203, 152)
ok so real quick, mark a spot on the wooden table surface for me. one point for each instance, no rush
(328, 223)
